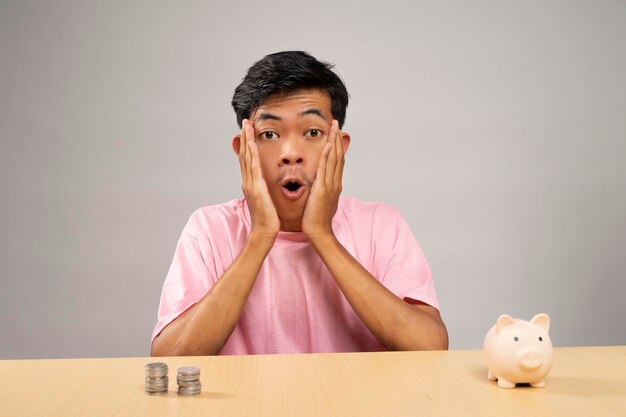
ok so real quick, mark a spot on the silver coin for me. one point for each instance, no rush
(155, 389)
(156, 365)
(155, 392)
(157, 379)
(189, 390)
(156, 369)
(158, 374)
(192, 378)
(160, 380)
(188, 393)
(156, 385)
(155, 375)
(195, 379)
(157, 382)
(188, 371)
(189, 383)
(154, 378)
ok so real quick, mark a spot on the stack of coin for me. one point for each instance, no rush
(188, 380)
(156, 378)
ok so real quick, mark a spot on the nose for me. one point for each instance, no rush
(291, 154)
(531, 360)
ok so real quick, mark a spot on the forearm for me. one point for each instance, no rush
(397, 324)
(205, 327)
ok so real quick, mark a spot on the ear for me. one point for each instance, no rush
(542, 320)
(345, 137)
(236, 144)
(503, 322)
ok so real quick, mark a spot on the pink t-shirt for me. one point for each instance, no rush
(295, 305)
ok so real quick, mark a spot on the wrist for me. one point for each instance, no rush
(321, 238)
(261, 239)
(318, 231)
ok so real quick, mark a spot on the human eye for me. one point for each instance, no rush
(268, 135)
(314, 133)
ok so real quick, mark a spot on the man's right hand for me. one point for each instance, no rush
(265, 221)
(205, 327)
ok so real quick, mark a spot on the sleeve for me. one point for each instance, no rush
(407, 273)
(187, 281)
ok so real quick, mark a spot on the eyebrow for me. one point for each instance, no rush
(313, 111)
(271, 116)
(267, 116)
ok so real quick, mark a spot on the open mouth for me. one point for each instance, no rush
(292, 186)
(293, 189)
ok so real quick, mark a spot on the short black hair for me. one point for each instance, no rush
(284, 72)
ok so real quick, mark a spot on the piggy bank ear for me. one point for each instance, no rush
(542, 320)
(504, 321)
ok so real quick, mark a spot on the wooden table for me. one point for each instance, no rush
(583, 382)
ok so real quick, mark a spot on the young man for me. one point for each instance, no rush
(293, 267)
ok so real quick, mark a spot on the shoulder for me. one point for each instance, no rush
(354, 209)
(232, 208)
(217, 216)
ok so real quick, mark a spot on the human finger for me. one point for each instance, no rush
(332, 157)
(248, 157)
(341, 160)
(242, 153)
(255, 166)
(339, 143)
(320, 176)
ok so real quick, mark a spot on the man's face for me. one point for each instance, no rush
(290, 132)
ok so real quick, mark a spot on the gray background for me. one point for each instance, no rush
(497, 127)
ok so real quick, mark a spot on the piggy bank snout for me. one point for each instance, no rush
(530, 360)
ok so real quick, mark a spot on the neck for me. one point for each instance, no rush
(290, 225)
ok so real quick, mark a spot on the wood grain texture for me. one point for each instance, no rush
(583, 382)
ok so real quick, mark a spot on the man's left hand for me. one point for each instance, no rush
(324, 198)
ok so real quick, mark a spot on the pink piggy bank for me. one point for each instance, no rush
(519, 351)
